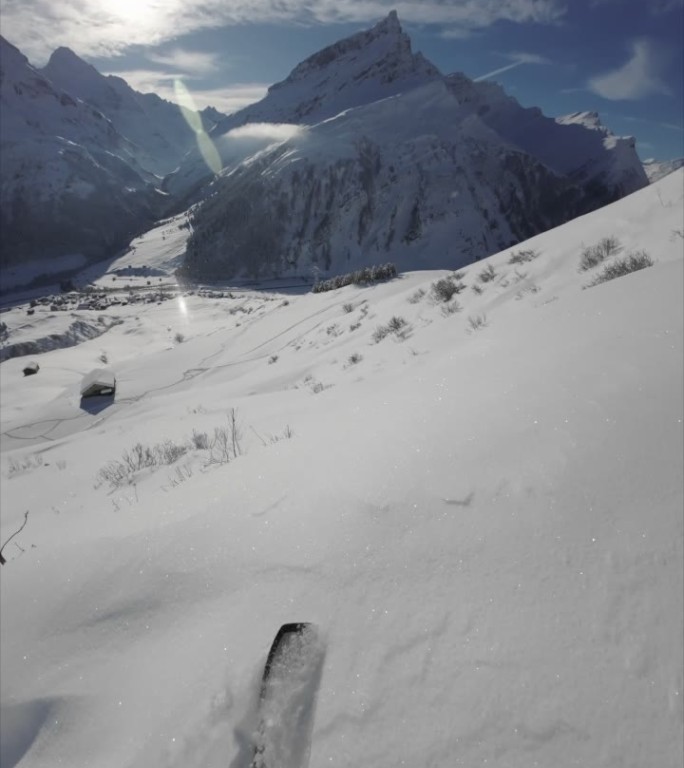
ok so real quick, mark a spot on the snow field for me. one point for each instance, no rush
(486, 523)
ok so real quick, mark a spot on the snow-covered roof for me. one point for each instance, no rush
(99, 378)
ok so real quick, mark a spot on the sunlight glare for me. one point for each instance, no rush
(182, 306)
(136, 11)
(192, 118)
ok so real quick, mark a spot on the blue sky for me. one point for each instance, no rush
(621, 58)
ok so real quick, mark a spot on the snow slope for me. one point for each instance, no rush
(483, 518)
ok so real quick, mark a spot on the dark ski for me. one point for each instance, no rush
(287, 698)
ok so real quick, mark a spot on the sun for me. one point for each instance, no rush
(132, 11)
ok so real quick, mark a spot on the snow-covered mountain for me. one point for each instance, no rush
(656, 170)
(82, 158)
(393, 159)
(70, 180)
(159, 133)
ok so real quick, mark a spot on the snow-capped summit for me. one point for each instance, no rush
(365, 67)
(157, 128)
(70, 183)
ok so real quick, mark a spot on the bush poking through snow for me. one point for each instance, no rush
(223, 447)
(487, 274)
(348, 308)
(451, 309)
(28, 463)
(522, 257)
(476, 322)
(596, 254)
(397, 325)
(179, 338)
(415, 297)
(633, 262)
(354, 358)
(446, 288)
(478, 289)
(200, 440)
(226, 443)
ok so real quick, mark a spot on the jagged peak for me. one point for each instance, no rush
(65, 60)
(387, 32)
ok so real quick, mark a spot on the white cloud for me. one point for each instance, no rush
(637, 78)
(248, 140)
(109, 27)
(265, 132)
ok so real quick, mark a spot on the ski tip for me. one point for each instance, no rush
(285, 632)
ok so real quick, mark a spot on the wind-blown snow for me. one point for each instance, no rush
(485, 524)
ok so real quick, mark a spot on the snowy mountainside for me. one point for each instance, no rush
(656, 170)
(367, 66)
(412, 179)
(481, 518)
(157, 128)
(576, 164)
(70, 181)
(578, 146)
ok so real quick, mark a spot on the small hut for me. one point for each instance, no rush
(100, 381)
(31, 368)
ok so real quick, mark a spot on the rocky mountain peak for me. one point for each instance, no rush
(369, 65)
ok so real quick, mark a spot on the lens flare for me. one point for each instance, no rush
(192, 117)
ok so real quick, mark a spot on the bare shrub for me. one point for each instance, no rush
(26, 464)
(396, 325)
(272, 359)
(523, 256)
(180, 475)
(121, 471)
(286, 434)
(103, 358)
(226, 443)
(596, 254)
(633, 262)
(487, 274)
(354, 358)
(415, 297)
(451, 309)
(179, 338)
(199, 440)
(446, 288)
(477, 322)
(348, 308)
(478, 289)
